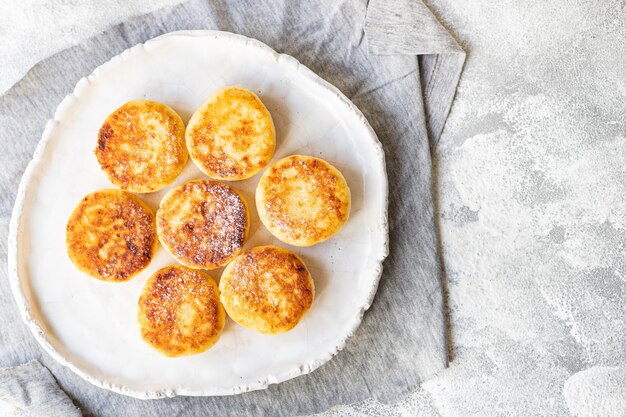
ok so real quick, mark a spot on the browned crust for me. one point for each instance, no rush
(220, 119)
(141, 146)
(329, 189)
(180, 312)
(203, 223)
(111, 235)
(267, 289)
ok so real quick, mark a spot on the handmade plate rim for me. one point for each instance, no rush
(30, 172)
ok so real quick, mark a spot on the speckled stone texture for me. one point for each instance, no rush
(532, 186)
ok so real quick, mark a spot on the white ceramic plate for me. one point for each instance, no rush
(90, 326)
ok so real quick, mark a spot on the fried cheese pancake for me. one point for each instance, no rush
(203, 223)
(231, 136)
(141, 146)
(267, 289)
(303, 200)
(111, 235)
(180, 311)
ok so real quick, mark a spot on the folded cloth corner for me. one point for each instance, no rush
(407, 27)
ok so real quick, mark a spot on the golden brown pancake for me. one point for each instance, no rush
(141, 146)
(267, 289)
(180, 311)
(231, 136)
(303, 200)
(203, 223)
(111, 235)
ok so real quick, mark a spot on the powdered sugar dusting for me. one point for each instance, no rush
(203, 223)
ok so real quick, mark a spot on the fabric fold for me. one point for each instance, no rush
(406, 27)
(29, 390)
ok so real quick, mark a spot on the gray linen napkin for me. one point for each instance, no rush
(401, 341)
(30, 390)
